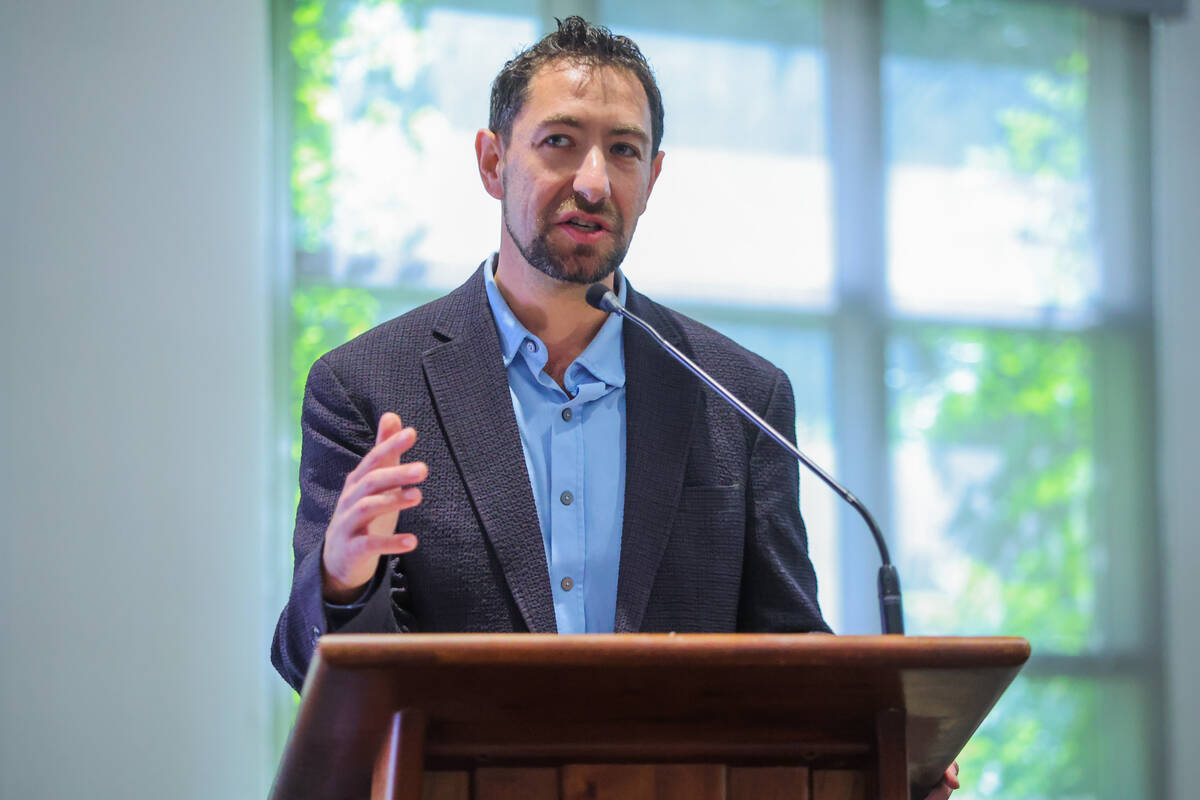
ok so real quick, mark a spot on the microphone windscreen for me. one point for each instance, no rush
(595, 296)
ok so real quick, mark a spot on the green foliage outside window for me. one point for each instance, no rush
(1028, 528)
(323, 317)
(315, 26)
(393, 97)
(1025, 532)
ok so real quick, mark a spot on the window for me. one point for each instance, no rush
(928, 212)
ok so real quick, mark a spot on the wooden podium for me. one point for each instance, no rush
(630, 716)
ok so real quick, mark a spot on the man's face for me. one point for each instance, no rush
(577, 170)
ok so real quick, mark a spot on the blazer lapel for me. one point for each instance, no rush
(661, 402)
(470, 394)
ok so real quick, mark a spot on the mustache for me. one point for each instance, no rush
(581, 203)
(601, 208)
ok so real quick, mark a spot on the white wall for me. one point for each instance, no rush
(1176, 167)
(136, 375)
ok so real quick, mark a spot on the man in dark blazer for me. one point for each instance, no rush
(711, 537)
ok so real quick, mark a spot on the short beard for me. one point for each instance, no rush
(537, 252)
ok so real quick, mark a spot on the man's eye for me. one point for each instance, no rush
(626, 150)
(557, 140)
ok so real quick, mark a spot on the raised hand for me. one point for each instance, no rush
(363, 526)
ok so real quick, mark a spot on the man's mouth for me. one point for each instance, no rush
(590, 229)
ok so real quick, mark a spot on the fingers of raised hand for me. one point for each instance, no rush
(389, 424)
(949, 783)
(951, 776)
(386, 453)
(364, 509)
(372, 546)
(383, 479)
(386, 478)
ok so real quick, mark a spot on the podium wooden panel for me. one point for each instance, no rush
(481, 716)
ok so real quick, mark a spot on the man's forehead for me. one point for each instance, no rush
(568, 81)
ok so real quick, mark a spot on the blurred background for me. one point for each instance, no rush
(965, 228)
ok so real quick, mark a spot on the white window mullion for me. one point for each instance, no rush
(1124, 511)
(853, 39)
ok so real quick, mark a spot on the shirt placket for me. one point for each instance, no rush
(568, 540)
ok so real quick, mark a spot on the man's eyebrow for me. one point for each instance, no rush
(561, 119)
(635, 131)
(569, 121)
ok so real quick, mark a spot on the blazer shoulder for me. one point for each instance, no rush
(404, 339)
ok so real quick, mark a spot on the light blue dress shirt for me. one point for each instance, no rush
(574, 445)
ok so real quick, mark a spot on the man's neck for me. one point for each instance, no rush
(555, 311)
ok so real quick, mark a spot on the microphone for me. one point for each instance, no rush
(601, 297)
(891, 612)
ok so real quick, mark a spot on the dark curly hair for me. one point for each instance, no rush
(579, 41)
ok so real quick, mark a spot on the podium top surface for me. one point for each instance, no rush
(736, 698)
(357, 651)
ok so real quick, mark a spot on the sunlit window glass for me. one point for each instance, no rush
(1009, 402)
(988, 196)
(993, 468)
(741, 214)
(390, 95)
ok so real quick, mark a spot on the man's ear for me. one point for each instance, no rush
(488, 151)
(655, 168)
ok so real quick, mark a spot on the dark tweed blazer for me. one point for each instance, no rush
(712, 541)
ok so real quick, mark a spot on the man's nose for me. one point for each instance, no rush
(591, 179)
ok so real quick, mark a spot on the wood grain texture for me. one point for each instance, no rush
(636, 739)
(782, 700)
(400, 759)
(644, 782)
(516, 783)
(768, 783)
(647, 649)
(839, 784)
(891, 750)
(446, 785)
(608, 782)
(387, 762)
(688, 781)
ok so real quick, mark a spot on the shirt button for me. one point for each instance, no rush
(531, 347)
(567, 414)
(566, 584)
(566, 498)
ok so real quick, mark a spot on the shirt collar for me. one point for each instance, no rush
(604, 357)
(512, 332)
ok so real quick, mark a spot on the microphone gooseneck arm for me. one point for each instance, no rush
(890, 606)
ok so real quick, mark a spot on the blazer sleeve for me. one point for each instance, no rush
(779, 584)
(336, 436)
